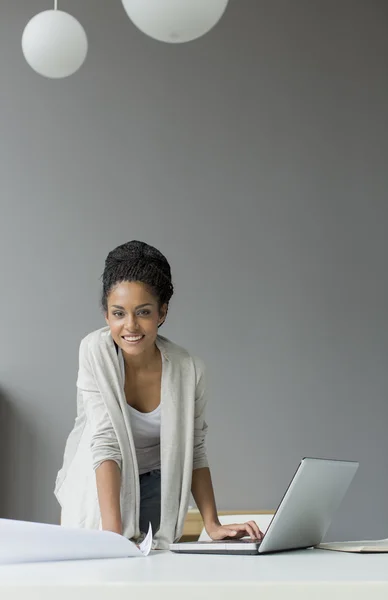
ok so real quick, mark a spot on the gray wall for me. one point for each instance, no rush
(256, 160)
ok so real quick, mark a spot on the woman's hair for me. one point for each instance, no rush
(137, 261)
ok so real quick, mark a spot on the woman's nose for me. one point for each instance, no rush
(131, 323)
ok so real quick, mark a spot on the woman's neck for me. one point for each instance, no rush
(145, 361)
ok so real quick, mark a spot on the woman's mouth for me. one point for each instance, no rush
(132, 339)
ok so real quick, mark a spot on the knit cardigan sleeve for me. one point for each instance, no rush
(200, 426)
(103, 445)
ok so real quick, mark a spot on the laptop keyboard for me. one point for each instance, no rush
(240, 541)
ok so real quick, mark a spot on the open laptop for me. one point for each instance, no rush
(303, 516)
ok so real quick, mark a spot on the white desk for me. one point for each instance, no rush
(307, 574)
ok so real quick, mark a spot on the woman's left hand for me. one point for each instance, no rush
(235, 531)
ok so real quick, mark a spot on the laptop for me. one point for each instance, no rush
(303, 516)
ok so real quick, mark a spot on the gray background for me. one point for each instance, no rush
(256, 159)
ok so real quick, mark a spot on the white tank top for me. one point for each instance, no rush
(146, 432)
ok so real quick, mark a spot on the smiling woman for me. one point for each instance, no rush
(138, 444)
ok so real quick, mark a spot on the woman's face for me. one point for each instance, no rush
(133, 316)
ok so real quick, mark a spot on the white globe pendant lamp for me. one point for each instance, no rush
(54, 43)
(175, 21)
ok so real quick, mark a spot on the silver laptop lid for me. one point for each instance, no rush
(306, 511)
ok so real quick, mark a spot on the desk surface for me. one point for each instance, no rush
(275, 576)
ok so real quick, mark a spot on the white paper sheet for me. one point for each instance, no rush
(146, 545)
(22, 541)
(362, 546)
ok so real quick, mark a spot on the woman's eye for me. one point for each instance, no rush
(118, 314)
(144, 313)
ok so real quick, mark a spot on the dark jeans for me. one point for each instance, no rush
(150, 501)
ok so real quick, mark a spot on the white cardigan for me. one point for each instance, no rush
(102, 431)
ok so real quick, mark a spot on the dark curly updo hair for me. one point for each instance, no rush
(137, 261)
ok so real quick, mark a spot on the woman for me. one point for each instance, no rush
(138, 444)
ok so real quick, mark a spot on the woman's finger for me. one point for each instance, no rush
(251, 531)
(239, 530)
(256, 529)
(245, 528)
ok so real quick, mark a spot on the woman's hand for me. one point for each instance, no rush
(235, 531)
